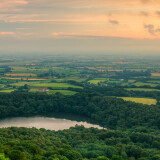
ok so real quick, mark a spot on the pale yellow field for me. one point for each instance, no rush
(96, 81)
(147, 101)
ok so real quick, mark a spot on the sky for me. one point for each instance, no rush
(80, 26)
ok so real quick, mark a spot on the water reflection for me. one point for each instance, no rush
(44, 122)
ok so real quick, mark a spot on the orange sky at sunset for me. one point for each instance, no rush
(78, 19)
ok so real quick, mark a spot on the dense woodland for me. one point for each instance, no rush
(135, 135)
(110, 112)
(78, 143)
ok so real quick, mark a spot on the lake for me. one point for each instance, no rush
(51, 123)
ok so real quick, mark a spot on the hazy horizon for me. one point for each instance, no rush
(81, 26)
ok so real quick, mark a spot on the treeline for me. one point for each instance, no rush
(117, 145)
(77, 143)
(4, 69)
(107, 91)
(129, 74)
(34, 144)
(109, 112)
(120, 91)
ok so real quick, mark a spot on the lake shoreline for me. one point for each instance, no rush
(51, 123)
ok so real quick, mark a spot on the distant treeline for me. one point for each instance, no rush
(129, 74)
(110, 112)
(78, 143)
(118, 91)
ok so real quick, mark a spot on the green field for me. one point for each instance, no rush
(155, 82)
(18, 84)
(65, 71)
(139, 84)
(137, 70)
(6, 91)
(131, 81)
(143, 89)
(77, 79)
(98, 80)
(65, 92)
(2, 69)
(101, 79)
(54, 85)
(34, 90)
(114, 81)
(147, 101)
(32, 70)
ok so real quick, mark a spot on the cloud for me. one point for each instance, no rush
(34, 18)
(7, 33)
(24, 34)
(5, 5)
(114, 22)
(57, 33)
(145, 1)
(150, 2)
(17, 17)
(146, 14)
(23, 28)
(16, 35)
(65, 35)
(111, 18)
(90, 3)
(158, 13)
(152, 29)
(74, 35)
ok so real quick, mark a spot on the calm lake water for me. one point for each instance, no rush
(44, 122)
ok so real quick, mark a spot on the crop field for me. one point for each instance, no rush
(11, 78)
(114, 81)
(77, 79)
(34, 90)
(2, 69)
(24, 79)
(21, 75)
(59, 80)
(35, 79)
(137, 70)
(65, 92)
(18, 84)
(114, 70)
(53, 85)
(65, 71)
(147, 101)
(32, 70)
(131, 81)
(6, 91)
(97, 80)
(139, 84)
(143, 89)
(154, 81)
(155, 78)
(101, 79)
(156, 74)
